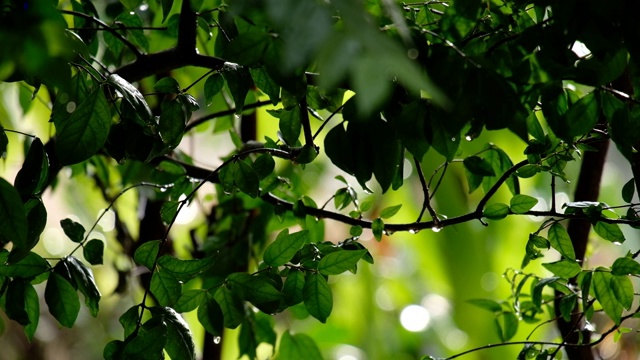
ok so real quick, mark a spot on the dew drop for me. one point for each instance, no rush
(388, 232)
(436, 229)
(71, 107)
(468, 138)
(317, 219)
(453, 139)
(217, 340)
(617, 243)
(163, 189)
(414, 231)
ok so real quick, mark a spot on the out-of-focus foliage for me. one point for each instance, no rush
(231, 149)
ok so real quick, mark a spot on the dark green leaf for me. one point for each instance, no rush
(31, 266)
(167, 85)
(146, 254)
(32, 306)
(560, 240)
(165, 287)
(386, 152)
(338, 149)
(231, 307)
(148, 343)
(73, 230)
(62, 300)
(15, 301)
(501, 163)
(4, 142)
(34, 174)
(83, 278)
(265, 83)
(610, 232)
(410, 128)
(565, 269)
(172, 123)
(189, 300)
(113, 350)
(625, 266)
(180, 343)
(290, 125)
(508, 325)
(628, 190)
(623, 289)
(521, 203)
(212, 87)
(294, 287)
(390, 211)
(93, 251)
(264, 165)
(284, 247)
(185, 269)
(239, 82)
(377, 227)
(486, 304)
(317, 297)
(536, 294)
(478, 166)
(606, 296)
(581, 117)
(496, 211)
(247, 340)
(256, 289)
(298, 346)
(129, 320)
(85, 132)
(169, 210)
(245, 178)
(36, 222)
(567, 305)
(340, 261)
(133, 97)
(247, 48)
(13, 219)
(210, 316)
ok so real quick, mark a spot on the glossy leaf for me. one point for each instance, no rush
(36, 222)
(565, 269)
(134, 98)
(606, 296)
(129, 320)
(625, 266)
(167, 85)
(293, 289)
(62, 300)
(146, 254)
(166, 288)
(521, 203)
(623, 289)
(496, 211)
(340, 261)
(377, 226)
(93, 251)
(148, 343)
(74, 231)
(189, 300)
(231, 306)
(245, 178)
(13, 219)
(318, 298)
(185, 269)
(478, 166)
(256, 289)
(284, 247)
(210, 316)
(85, 131)
(172, 122)
(560, 240)
(34, 174)
(86, 283)
(180, 343)
(212, 87)
(390, 211)
(609, 232)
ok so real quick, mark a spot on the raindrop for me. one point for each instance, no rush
(468, 138)
(163, 189)
(217, 340)
(388, 232)
(317, 219)
(436, 229)
(144, 7)
(453, 139)
(414, 231)
(71, 107)
(617, 243)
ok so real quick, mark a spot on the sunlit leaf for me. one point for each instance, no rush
(340, 261)
(560, 240)
(609, 231)
(496, 211)
(146, 254)
(185, 269)
(298, 346)
(565, 269)
(521, 203)
(390, 211)
(625, 266)
(284, 247)
(377, 226)
(623, 289)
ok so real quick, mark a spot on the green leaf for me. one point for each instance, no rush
(536, 294)
(565, 269)
(284, 247)
(298, 346)
(247, 48)
(390, 211)
(33, 177)
(180, 343)
(165, 287)
(246, 179)
(508, 325)
(239, 82)
(290, 125)
(212, 87)
(62, 300)
(169, 210)
(610, 232)
(32, 306)
(625, 266)
(338, 149)
(317, 297)
(129, 320)
(501, 163)
(478, 166)
(93, 251)
(581, 117)
(167, 85)
(623, 289)
(386, 152)
(172, 122)
(189, 300)
(496, 211)
(73, 230)
(148, 343)
(15, 306)
(83, 278)
(377, 227)
(113, 350)
(411, 132)
(340, 261)
(256, 289)
(264, 165)
(185, 270)
(486, 304)
(606, 296)
(567, 306)
(146, 254)
(521, 203)
(231, 307)
(36, 222)
(31, 266)
(560, 240)
(85, 132)
(265, 83)
(628, 190)
(293, 289)
(210, 316)
(134, 98)
(13, 219)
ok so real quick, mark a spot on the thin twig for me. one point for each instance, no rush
(231, 111)
(426, 203)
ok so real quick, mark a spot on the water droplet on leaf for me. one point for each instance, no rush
(414, 231)
(217, 340)
(436, 229)
(468, 138)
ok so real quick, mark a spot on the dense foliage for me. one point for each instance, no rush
(378, 88)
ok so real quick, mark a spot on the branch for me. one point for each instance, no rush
(306, 125)
(231, 111)
(426, 202)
